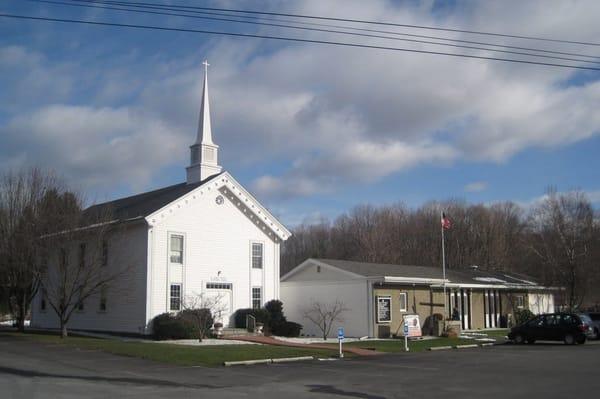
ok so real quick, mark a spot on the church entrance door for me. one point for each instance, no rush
(223, 293)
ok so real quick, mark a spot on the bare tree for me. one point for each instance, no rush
(82, 254)
(202, 311)
(324, 315)
(21, 221)
(562, 232)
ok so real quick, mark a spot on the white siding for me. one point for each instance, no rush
(218, 238)
(298, 296)
(126, 297)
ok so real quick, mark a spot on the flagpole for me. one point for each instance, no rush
(444, 266)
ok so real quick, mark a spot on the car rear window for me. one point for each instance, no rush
(585, 318)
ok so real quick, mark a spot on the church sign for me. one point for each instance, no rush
(384, 309)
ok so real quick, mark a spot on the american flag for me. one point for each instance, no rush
(446, 222)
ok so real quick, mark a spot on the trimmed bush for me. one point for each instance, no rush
(523, 316)
(275, 309)
(272, 319)
(168, 326)
(287, 329)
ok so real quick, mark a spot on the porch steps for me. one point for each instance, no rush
(237, 332)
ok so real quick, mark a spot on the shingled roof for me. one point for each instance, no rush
(144, 204)
(462, 276)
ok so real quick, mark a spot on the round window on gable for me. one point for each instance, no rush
(219, 200)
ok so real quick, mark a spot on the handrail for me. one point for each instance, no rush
(250, 323)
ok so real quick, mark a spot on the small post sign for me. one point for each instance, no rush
(340, 339)
(406, 335)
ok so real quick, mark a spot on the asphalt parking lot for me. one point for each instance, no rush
(34, 370)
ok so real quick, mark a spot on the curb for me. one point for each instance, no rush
(292, 359)
(488, 344)
(466, 346)
(248, 362)
(439, 348)
(267, 361)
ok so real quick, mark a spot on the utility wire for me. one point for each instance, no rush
(317, 30)
(290, 39)
(145, 11)
(166, 7)
(368, 22)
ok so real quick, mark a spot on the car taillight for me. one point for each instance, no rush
(583, 327)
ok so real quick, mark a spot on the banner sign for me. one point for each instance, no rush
(414, 326)
(384, 309)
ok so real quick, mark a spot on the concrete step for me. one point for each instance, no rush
(230, 332)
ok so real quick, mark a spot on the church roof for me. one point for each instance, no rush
(144, 204)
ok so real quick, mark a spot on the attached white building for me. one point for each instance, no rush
(207, 235)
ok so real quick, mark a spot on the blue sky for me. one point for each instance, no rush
(311, 130)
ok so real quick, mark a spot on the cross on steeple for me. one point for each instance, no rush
(206, 65)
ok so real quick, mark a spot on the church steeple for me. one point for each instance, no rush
(203, 153)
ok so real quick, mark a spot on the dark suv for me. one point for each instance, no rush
(567, 327)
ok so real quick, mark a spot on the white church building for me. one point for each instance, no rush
(205, 236)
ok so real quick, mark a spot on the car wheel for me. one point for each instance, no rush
(531, 341)
(519, 339)
(569, 339)
(596, 333)
(581, 340)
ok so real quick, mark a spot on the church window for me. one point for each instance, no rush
(256, 297)
(102, 304)
(403, 302)
(104, 253)
(43, 301)
(520, 301)
(80, 304)
(176, 248)
(82, 255)
(257, 255)
(175, 297)
(219, 286)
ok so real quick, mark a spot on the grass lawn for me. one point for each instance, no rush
(176, 354)
(500, 333)
(397, 345)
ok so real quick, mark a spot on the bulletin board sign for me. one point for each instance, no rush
(384, 309)
(413, 323)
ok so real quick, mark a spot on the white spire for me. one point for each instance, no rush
(204, 153)
(204, 130)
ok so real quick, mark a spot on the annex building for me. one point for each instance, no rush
(377, 296)
(207, 235)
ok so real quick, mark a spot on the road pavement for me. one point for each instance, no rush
(36, 370)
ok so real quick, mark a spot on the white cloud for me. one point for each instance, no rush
(476, 186)
(93, 146)
(335, 116)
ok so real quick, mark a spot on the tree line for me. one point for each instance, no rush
(51, 248)
(556, 240)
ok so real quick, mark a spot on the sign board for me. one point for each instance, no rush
(341, 333)
(412, 325)
(384, 309)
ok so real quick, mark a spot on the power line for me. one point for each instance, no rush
(164, 7)
(291, 39)
(369, 22)
(145, 11)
